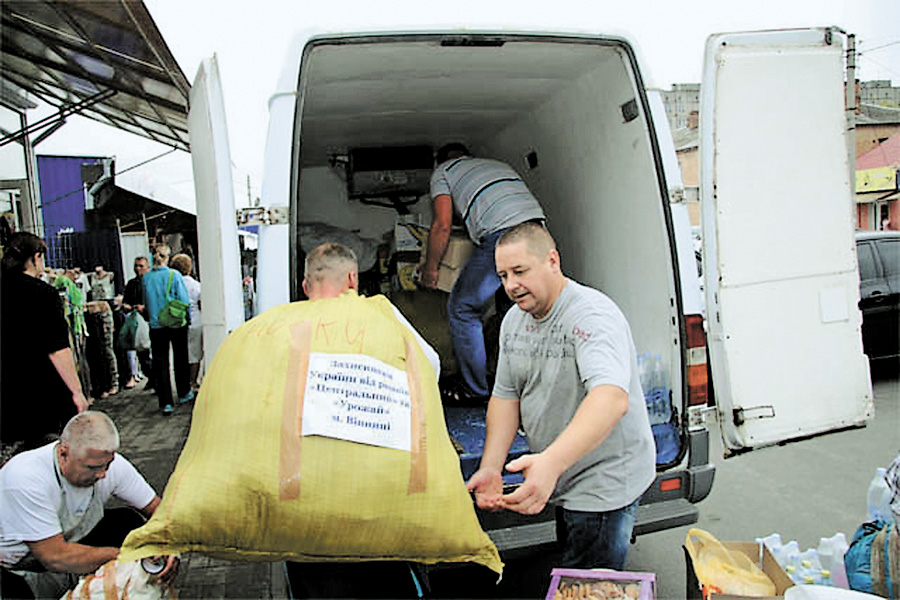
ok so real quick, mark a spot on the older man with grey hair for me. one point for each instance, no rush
(53, 524)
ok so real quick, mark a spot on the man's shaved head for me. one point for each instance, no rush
(328, 267)
(536, 237)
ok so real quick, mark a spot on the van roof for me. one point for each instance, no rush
(391, 89)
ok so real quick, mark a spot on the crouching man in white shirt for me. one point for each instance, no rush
(53, 526)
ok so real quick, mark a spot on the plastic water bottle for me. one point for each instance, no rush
(792, 561)
(647, 373)
(878, 505)
(658, 402)
(776, 548)
(810, 568)
(831, 555)
(643, 364)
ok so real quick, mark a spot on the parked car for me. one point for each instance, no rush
(879, 292)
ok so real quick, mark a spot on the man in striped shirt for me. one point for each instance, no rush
(490, 197)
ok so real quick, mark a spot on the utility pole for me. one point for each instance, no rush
(850, 104)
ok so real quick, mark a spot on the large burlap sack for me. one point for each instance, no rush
(248, 486)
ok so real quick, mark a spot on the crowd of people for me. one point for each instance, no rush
(80, 340)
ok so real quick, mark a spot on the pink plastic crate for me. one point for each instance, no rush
(596, 584)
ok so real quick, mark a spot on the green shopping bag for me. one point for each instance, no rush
(175, 313)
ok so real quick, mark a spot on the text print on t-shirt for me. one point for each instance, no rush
(552, 342)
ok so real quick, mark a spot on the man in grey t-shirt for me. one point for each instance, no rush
(490, 197)
(568, 374)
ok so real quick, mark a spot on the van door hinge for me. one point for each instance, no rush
(272, 215)
(740, 415)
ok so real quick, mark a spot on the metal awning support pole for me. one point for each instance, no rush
(59, 116)
(34, 219)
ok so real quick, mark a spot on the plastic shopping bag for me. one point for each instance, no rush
(725, 571)
(120, 580)
(135, 333)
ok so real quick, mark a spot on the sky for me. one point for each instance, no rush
(250, 40)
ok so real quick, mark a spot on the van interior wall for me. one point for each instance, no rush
(597, 182)
(325, 200)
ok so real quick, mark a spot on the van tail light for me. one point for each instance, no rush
(696, 361)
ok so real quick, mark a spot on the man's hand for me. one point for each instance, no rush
(488, 487)
(81, 403)
(541, 475)
(167, 576)
(429, 277)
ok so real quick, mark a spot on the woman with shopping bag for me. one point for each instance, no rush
(167, 302)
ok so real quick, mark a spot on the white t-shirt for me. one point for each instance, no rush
(31, 496)
(433, 358)
(193, 289)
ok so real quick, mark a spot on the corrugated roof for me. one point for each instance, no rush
(874, 114)
(109, 56)
(685, 138)
(885, 154)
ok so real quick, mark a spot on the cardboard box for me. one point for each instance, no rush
(446, 278)
(764, 560)
(579, 583)
(409, 233)
(406, 276)
(458, 250)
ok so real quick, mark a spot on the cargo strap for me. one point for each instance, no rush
(292, 412)
(418, 471)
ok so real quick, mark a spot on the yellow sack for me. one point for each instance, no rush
(723, 571)
(249, 486)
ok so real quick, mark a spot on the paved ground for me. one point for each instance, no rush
(804, 491)
(153, 442)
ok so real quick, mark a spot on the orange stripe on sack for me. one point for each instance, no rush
(418, 469)
(292, 411)
(86, 587)
(110, 589)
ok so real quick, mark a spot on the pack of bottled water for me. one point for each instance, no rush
(655, 384)
(823, 565)
(658, 397)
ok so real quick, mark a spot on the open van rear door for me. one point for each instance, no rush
(782, 281)
(220, 262)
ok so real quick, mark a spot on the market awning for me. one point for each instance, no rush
(104, 60)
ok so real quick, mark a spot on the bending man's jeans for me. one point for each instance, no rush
(593, 540)
(474, 288)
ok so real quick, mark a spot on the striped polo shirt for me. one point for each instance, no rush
(487, 193)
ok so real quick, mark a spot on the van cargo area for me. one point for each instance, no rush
(570, 114)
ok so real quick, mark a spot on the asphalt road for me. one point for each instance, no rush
(804, 491)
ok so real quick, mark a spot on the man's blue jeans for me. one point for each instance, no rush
(593, 540)
(474, 288)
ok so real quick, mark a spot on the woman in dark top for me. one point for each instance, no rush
(39, 386)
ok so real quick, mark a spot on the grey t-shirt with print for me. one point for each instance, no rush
(550, 365)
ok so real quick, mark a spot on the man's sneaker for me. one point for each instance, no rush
(168, 409)
(186, 398)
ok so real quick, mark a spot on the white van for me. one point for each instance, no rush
(355, 122)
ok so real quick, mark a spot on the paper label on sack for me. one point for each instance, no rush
(357, 398)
